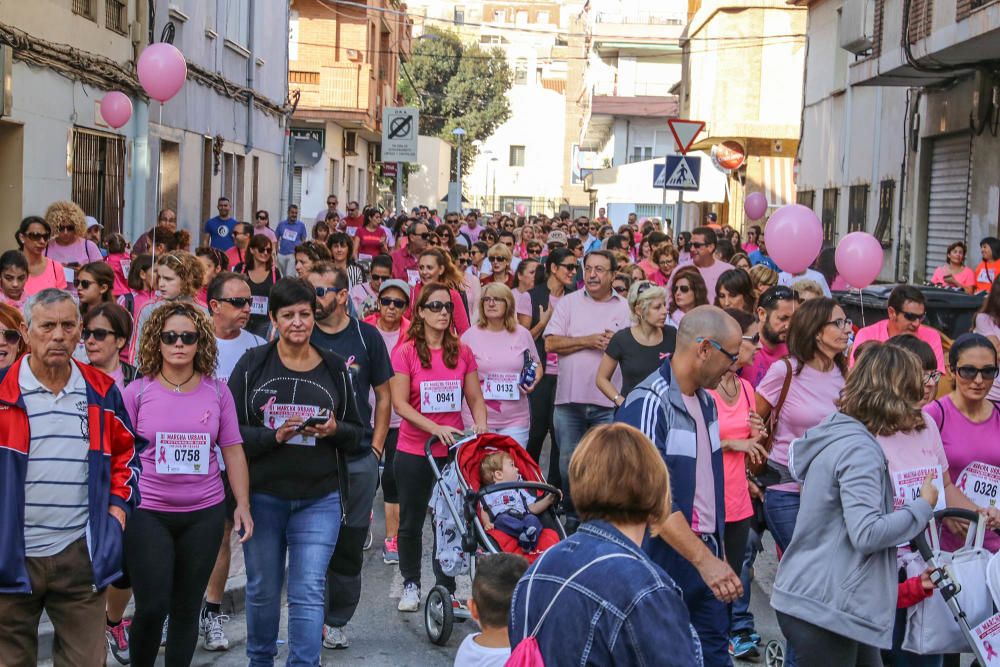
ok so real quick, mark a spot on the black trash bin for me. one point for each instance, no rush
(950, 311)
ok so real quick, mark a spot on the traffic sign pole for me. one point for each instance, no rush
(664, 194)
(399, 186)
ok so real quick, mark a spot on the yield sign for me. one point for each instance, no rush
(684, 132)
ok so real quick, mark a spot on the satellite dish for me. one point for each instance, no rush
(307, 152)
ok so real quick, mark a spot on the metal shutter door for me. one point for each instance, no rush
(297, 187)
(948, 202)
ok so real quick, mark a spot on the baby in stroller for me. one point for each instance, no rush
(512, 513)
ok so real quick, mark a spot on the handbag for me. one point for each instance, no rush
(760, 473)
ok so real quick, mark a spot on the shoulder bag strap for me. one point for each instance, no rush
(772, 418)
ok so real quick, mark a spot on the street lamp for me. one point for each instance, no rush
(493, 199)
(459, 134)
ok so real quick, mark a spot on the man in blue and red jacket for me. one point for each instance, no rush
(69, 475)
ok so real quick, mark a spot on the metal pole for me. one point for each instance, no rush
(458, 173)
(399, 186)
(680, 210)
(663, 220)
(493, 199)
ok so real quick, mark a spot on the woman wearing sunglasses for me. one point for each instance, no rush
(107, 328)
(69, 247)
(499, 344)
(12, 344)
(262, 275)
(182, 414)
(987, 323)
(365, 295)
(434, 374)
(640, 349)
(393, 299)
(687, 292)
(499, 257)
(970, 426)
(95, 285)
(178, 278)
(436, 267)
(32, 237)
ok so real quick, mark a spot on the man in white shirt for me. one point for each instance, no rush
(331, 207)
(788, 280)
(702, 249)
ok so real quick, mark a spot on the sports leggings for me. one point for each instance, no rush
(170, 557)
(415, 480)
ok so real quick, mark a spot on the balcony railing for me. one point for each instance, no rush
(642, 18)
(341, 86)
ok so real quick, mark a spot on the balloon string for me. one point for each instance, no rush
(862, 297)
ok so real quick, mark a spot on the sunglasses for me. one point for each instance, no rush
(66, 228)
(913, 317)
(38, 236)
(377, 278)
(569, 267)
(237, 301)
(262, 217)
(171, 337)
(425, 236)
(696, 246)
(323, 291)
(932, 377)
(438, 306)
(752, 339)
(99, 334)
(989, 373)
(396, 303)
(683, 289)
(10, 336)
(779, 294)
(85, 284)
(621, 289)
(496, 258)
(718, 346)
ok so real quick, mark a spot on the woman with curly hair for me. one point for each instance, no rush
(178, 278)
(68, 246)
(434, 372)
(181, 413)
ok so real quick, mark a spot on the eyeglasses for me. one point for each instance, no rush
(932, 377)
(989, 373)
(66, 228)
(621, 289)
(171, 337)
(10, 336)
(841, 323)
(683, 289)
(781, 293)
(323, 291)
(493, 300)
(643, 286)
(752, 339)
(718, 346)
(438, 306)
(351, 209)
(99, 334)
(376, 278)
(494, 259)
(85, 284)
(425, 236)
(599, 270)
(396, 303)
(696, 245)
(913, 317)
(239, 302)
(38, 236)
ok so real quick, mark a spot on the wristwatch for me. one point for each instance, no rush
(615, 400)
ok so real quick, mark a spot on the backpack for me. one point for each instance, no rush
(527, 652)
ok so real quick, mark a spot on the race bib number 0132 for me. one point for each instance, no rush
(501, 387)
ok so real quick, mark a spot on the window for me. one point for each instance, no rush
(857, 208)
(308, 78)
(516, 156)
(170, 174)
(98, 181)
(886, 198)
(499, 16)
(806, 197)
(238, 21)
(116, 16)
(542, 18)
(521, 18)
(521, 72)
(85, 8)
(831, 198)
(640, 153)
(207, 169)
(459, 16)
(334, 176)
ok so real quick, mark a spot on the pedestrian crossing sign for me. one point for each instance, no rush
(680, 172)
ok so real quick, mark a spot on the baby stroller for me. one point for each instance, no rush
(459, 531)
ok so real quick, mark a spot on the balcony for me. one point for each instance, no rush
(341, 91)
(637, 29)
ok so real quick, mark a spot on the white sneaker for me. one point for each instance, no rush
(163, 633)
(411, 598)
(334, 637)
(211, 629)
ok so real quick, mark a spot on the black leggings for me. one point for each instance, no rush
(542, 403)
(818, 647)
(415, 480)
(735, 542)
(390, 492)
(170, 558)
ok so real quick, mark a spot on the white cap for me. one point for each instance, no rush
(92, 222)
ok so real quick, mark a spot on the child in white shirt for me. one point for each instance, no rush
(492, 590)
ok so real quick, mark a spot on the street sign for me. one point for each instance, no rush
(400, 127)
(388, 168)
(684, 132)
(681, 172)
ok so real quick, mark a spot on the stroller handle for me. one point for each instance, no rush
(466, 436)
(920, 543)
(506, 486)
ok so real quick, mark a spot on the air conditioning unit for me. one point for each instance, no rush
(856, 25)
(353, 54)
(350, 142)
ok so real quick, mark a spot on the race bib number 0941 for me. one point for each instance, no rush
(440, 396)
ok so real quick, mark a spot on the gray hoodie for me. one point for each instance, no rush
(839, 571)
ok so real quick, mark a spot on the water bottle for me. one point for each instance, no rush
(528, 370)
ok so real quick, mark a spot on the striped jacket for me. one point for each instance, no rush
(113, 476)
(657, 408)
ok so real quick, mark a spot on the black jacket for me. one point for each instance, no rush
(259, 441)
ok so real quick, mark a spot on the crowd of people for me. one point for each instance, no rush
(164, 402)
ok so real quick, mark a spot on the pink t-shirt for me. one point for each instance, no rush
(914, 451)
(523, 303)
(965, 277)
(985, 326)
(180, 472)
(703, 512)
(709, 273)
(80, 251)
(973, 456)
(578, 314)
(266, 231)
(432, 394)
(880, 332)
(811, 397)
(54, 275)
(391, 338)
(500, 357)
(733, 425)
(762, 361)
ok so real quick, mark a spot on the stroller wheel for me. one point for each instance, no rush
(439, 616)
(774, 654)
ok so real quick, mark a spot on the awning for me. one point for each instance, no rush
(633, 184)
(779, 180)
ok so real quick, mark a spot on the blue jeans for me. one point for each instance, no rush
(306, 531)
(571, 421)
(781, 508)
(741, 617)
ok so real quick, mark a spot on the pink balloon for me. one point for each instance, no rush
(859, 259)
(162, 70)
(116, 109)
(520, 208)
(794, 237)
(755, 205)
